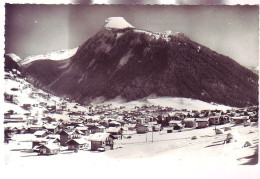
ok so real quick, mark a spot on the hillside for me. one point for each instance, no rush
(11, 62)
(133, 63)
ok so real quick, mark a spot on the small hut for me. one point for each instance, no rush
(76, 144)
(214, 120)
(202, 122)
(240, 119)
(48, 149)
(115, 130)
(41, 133)
(101, 140)
(189, 122)
(141, 129)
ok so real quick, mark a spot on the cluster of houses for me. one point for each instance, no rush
(98, 132)
(67, 125)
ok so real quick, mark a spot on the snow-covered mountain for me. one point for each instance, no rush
(15, 57)
(122, 60)
(117, 23)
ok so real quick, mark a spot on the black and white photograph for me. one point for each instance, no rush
(101, 85)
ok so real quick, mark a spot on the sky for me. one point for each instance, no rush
(38, 29)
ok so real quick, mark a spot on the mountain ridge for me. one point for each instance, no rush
(135, 63)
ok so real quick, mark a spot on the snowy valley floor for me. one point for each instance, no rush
(174, 148)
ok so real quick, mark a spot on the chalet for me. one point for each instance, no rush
(43, 104)
(152, 123)
(26, 106)
(53, 138)
(177, 125)
(140, 121)
(240, 119)
(115, 131)
(76, 144)
(101, 128)
(177, 116)
(216, 112)
(114, 124)
(8, 114)
(121, 121)
(101, 140)
(96, 128)
(7, 134)
(224, 119)
(141, 129)
(169, 129)
(146, 120)
(157, 127)
(253, 119)
(48, 119)
(14, 118)
(51, 108)
(202, 122)
(51, 128)
(63, 106)
(189, 122)
(48, 149)
(41, 133)
(19, 130)
(74, 118)
(214, 120)
(9, 97)
(33, 128)
(131, 127)
(31, 120)
(104, 123)
(65, 136)
(38, 142)
(83, 129)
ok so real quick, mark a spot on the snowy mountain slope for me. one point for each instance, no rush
(58, 55)
(15, 58)
(120, 60)
(174, 102)
(24, 93)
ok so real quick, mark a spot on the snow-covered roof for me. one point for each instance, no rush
(49, 146)
(79, 141)
(202, 119)
(191, 119)
(50, 126)
(240, 117)
(53, 136)
(99, 137)
(117, 23)
(39, 133)
(82, 128)
(174, 122)
(113, 129)
(114, 122)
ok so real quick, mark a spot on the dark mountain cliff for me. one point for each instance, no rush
(134, 64)
(10, 63)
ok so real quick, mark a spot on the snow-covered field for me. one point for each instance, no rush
(205, 157)
(177, 148)
(148, 153)
(174, 102)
